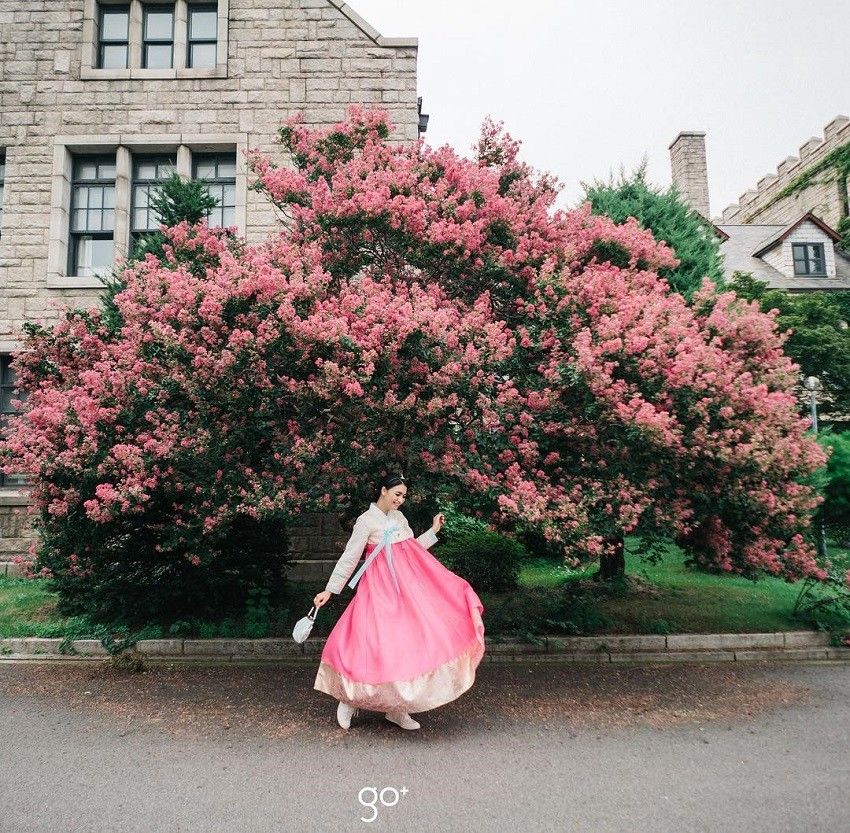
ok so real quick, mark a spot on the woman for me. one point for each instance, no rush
(412, 636)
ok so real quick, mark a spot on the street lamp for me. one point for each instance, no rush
(813, 385)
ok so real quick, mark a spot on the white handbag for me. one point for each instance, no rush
(303, 626)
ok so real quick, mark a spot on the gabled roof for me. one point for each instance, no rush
(740, 241)
(371, 31)
(776, 238)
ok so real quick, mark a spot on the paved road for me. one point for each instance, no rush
(682, 748)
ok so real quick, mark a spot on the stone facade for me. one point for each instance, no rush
(16, 532)
(826, 195)
(315, 546)
(272, 58)
(312, 56)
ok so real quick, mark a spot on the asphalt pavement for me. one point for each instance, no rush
(755, 747)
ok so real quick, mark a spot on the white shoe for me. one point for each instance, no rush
(402, 719)
(344, 713)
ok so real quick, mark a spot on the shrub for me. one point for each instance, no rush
(534, 612)
(487, 560)
(459, 525)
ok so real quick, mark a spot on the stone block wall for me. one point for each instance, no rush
(16, 530)
(826, 196)
(690, 169)
(282, 56)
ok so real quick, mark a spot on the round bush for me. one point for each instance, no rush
(487, 560)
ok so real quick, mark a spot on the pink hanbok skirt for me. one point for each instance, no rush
(406, 652)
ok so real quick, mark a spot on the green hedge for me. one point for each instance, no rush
(487, 560)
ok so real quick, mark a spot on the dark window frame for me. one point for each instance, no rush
(75, 236)
(147, 8)
(217, 180)
(104, 8)
(7, 393)
(190, 41)
(807, 260)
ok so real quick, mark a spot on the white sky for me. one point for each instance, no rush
(588, 86)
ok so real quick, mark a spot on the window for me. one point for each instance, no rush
(2, 187)
(203, 38)
(7, 394)
(147, 172)
(218, 170)
(127, 39)
(113, 48)
(112, 198)
(808, 259)
(158, 37)
(91, 248)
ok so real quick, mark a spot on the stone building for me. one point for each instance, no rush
(100, 100)
(786, 230)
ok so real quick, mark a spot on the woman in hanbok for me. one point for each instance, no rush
(412, 636)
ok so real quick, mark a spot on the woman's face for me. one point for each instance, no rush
(394, 495)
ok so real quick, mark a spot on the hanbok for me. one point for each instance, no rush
(412, 637)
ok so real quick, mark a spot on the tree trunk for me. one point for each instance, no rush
(613, 566)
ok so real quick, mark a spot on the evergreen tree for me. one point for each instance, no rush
(669, 218)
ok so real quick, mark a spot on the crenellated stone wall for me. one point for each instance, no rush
(826, 195)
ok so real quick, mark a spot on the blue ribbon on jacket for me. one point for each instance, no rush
(385, 544)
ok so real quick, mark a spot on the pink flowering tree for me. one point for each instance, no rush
(168, 456)
(417, 310)
(621, 409)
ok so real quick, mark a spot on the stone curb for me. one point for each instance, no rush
(613, 648)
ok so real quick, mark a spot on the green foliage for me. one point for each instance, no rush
(834, 512)
(818, 341)
(175, 201)
(133, 585)
(459, 525)
(843, 229)
(826, 604)
(487, 560)
(258, 613)
(669, 218)
(660, 626)
(531, 613)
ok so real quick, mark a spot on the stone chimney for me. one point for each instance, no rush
(690, 171)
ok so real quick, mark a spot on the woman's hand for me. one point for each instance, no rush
(439, 520)
(321, 598)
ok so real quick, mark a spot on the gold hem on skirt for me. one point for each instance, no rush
(418, 694)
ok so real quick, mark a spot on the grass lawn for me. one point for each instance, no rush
(667, 598)
(663, 598)
(28, 609)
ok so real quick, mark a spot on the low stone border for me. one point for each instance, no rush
(720, 647)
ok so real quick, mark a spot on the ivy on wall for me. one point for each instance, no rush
(838, 160)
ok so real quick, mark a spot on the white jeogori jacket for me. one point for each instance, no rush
(370, 527)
